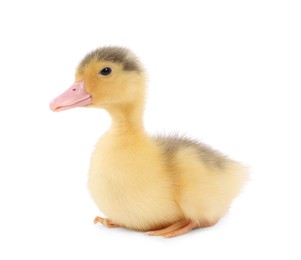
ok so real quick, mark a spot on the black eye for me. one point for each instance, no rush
(105, 71)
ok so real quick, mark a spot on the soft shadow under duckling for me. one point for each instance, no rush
(166, 185)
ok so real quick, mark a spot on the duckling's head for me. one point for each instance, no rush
(108, 77)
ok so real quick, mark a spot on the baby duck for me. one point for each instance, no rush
(166, 185)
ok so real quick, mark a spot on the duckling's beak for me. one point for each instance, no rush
(75, 96)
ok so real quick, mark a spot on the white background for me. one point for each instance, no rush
(225, 72)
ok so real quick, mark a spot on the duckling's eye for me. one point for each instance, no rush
(105, 71)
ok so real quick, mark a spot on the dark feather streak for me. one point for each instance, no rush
(113, 54)
(171, 144)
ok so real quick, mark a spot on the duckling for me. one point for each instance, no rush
(166, 185)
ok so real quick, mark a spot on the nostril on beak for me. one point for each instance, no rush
(74, 89)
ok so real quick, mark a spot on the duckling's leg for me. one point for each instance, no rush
(177, 229)
(180, 228)
(106, 222)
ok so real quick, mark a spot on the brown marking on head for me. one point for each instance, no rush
(113, 54)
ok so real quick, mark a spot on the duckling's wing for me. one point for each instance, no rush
(173, 143)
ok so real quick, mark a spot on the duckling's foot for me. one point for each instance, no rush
(177, 229)
(105, 221)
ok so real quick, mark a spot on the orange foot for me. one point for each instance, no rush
(106, 222)
(179, 228)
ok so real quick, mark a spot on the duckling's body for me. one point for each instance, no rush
(141, 182)
(130, 182)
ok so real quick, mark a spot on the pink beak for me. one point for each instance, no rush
(75, 96)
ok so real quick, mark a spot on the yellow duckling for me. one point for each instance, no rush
(166, 185)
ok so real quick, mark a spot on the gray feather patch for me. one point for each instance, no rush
(172, 143)
(113, 54)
